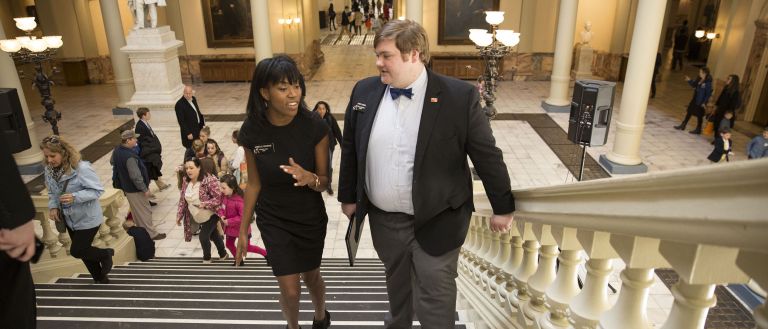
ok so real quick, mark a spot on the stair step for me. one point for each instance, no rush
(182, 292)
(95, 323)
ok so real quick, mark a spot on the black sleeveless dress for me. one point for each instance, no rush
(292, 220)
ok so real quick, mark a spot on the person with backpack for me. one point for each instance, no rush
(130, 175)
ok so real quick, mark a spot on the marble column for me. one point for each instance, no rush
(262, 39)
(624, 158)
(116, 40)
(29, 160)
(414, 10)
(558, 100)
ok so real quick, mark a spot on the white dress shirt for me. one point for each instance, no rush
(151, 132)
(197, 113)
(392, 149)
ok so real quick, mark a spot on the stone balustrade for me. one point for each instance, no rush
(709, 224)
(56, 262)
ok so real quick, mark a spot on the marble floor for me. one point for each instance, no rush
(530, 162)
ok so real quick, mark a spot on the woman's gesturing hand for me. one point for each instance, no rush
(302, 177)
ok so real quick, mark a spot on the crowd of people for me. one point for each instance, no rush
(369, 14)
(416, 189)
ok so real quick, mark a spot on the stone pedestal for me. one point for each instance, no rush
(583, 58)
(155, 65)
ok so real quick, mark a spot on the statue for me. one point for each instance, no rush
(586, 35)
(138, 8)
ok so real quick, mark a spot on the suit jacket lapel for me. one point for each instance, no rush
(429, 114)
(365, 120)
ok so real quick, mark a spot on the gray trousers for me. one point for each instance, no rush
(142, 213)
(415, 280)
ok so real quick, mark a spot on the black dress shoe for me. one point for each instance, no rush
(322, 324)
(695, 132)
(104, 280)
(106, 264)
(151, 203)
(680, 127)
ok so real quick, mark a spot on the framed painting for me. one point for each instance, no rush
(458, 16)
(228, 23)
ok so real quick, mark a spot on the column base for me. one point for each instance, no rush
(555, 108)
(620, 169)
(31, 169)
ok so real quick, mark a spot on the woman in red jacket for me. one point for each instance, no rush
(231, 212)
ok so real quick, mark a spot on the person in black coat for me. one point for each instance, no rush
(334, 134)
(729, 100)
(190, 118)
(723, 147)
(17, 246)
(150, 147)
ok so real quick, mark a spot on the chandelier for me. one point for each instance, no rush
(32, 50)
(492, 46)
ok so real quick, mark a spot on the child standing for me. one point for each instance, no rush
(722, 149)
(231, 212)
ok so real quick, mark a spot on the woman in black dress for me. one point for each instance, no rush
(334, 134)
(286, 151)
(729, 100)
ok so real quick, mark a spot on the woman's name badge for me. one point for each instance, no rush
(264, 148)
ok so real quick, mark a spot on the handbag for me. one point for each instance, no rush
(202, 215)
(708, 129)
(61, 224)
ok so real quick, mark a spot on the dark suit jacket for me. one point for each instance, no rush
(149, 144)
(452, 127)
(187, 118)
(719, 150)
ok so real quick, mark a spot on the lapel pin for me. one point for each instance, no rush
(433, 99)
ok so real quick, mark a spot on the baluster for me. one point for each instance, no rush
(630, 309)
(592, 301)
(692, 303)
(700, 267)
(98, 241)
(104, 232)
(113, 221)
(487, 265)
(538, 284)
(562, 291)
(497, 280)
(761, 316)
(485, 236)
(49, 238)
(530, 262)
(65, 241)
(641, 255)
(588, 305)
(511, 266)
(469, 245)
(753, 264)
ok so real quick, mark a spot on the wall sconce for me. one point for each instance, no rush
(290, 22)
(699, 34)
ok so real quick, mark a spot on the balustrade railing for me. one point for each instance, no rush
(709, 224)
(57, 244)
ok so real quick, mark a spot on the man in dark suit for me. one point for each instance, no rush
(150, 148)
(404, 163)
(17, 246)
(189, 117)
